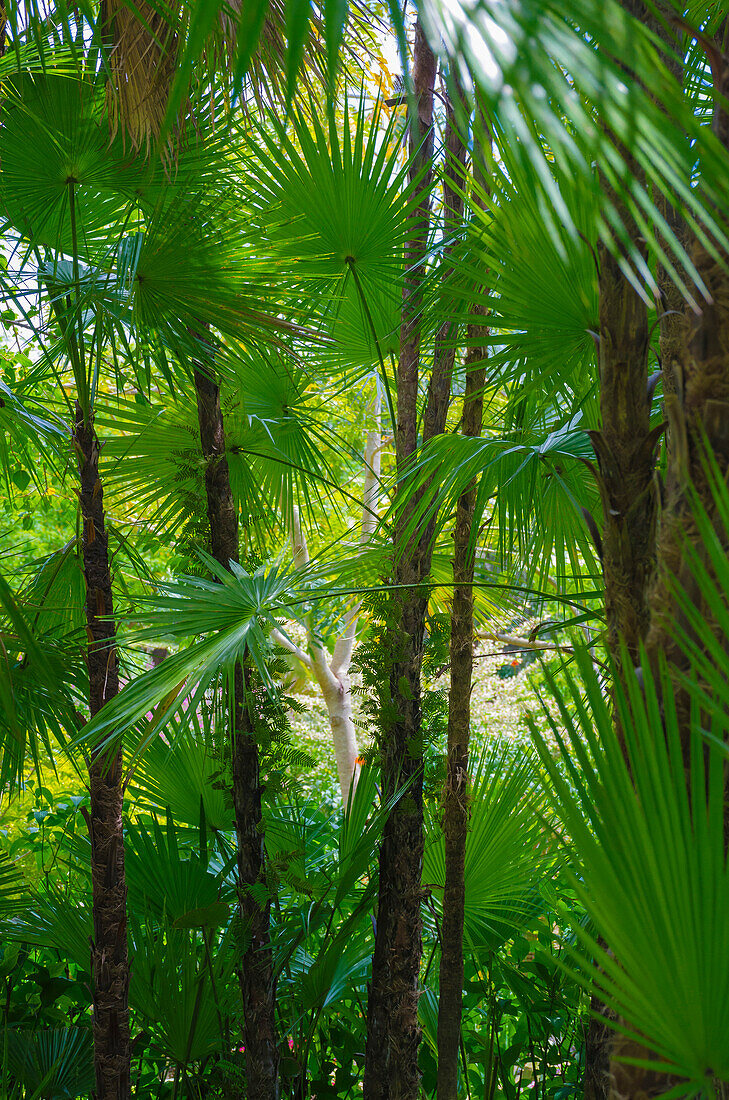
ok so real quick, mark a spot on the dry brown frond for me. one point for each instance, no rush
(142, 50)
(143, 45)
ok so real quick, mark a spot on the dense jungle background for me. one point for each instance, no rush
(364, 549)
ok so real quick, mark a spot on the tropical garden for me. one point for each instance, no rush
(364, 549)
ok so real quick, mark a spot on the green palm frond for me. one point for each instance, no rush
(332, 209)
(507, 853)
(231, 616)
(327, 198)
(568, 70)
(194, 268)
(42, 679)
(649, 864)
(59, 919)
(700, 595)
(541, 284)
(55, 155)
(539, 483)
(168, 882)
(54, 1063)
(282, 435)
(180, 771)
(173, 989)
(55, 594)
(152, 462)
(13, 888)
(27, 432)
(279, 434)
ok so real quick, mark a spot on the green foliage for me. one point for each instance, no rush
(270, 254)
(507, 851)
(647, 841)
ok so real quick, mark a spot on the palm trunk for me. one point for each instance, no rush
(698, 417)
(109, 956)
(257, 982)
(255, 974)
(393, 1032)
(625, 450)
(456, 798)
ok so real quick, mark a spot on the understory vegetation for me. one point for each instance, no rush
(364, 549)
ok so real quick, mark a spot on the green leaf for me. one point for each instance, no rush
(21, 479)
(210, 916)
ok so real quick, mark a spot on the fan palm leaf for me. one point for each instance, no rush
(649, 865)
(179, 772)
(168, 883)
(332, 209)
(55, 1064)
(41, 685)
(231, 616)
(569, 72)
(507, 851)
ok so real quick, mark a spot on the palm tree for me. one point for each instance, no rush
(78, 320)
(100, 302)
(558, 84)
(456, 793)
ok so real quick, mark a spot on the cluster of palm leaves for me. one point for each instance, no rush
(269, 238)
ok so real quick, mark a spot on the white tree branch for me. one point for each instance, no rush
(344, 646)
(333, 676)
(297, 651)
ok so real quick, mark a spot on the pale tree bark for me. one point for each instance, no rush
(333, 674)
(456, 794)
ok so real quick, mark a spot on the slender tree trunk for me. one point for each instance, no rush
(255, 974)
(456, 795)
(109, 956)
(257, 982)
(222, 515)
(393, 1032)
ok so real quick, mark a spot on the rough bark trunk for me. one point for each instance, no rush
(257, 982)
(393, 1032)
(255, 973)
(109, 955)
(698, 416)
(605, 1072)
(222, 516)
(625, 449)
(456, 795)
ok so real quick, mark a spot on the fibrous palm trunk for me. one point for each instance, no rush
(393, 1032)
(255, 973)
(607, 1070)
(697, 411)
(625, 450)
(109, 956)
(455, 798)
